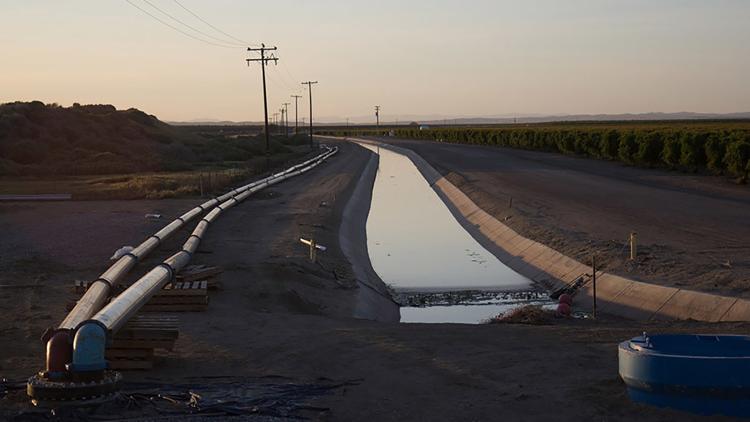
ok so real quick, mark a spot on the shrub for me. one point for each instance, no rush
(715, 150)
(609, 144)
(567, 143)
(736, 158)
(650, 146)
(672, 152)
(627, 148)
(693, 154)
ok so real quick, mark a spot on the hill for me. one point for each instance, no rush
(39, 139)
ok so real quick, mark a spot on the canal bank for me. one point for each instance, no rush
(373, 299)
(615, 295)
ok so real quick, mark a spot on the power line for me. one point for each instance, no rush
(243, 43)
(276, 82)
(176, 28)
(294, 80)
(285, 82)
(189, 26)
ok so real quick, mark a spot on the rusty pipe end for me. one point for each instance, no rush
(59, 355)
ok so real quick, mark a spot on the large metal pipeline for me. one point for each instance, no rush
(90, 337)
(59, 343)
(100, 290)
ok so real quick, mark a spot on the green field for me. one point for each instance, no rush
(718, 147)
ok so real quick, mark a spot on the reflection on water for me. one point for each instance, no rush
(416, 245)
(466, 307)
(461, 314)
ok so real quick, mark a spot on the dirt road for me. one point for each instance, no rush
(279, 318)
(693, 231)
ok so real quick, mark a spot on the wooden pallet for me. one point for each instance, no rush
(180, 297)
(133, 346)
(201, 273)
(194, 288)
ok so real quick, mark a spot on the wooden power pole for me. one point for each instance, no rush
(263, 63)
(286, 122)
(296, 113)
(309, 87)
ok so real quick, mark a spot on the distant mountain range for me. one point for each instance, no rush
(213, 122)
(593, 118)
(505, 119)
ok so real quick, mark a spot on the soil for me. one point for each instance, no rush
(279, 317)
(692, 230)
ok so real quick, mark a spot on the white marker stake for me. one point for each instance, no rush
(314, 248)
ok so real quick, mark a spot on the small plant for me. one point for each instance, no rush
(529, 314)
(736, 158)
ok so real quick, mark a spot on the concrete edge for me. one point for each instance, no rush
(615, 295)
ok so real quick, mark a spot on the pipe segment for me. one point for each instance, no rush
(89, 341)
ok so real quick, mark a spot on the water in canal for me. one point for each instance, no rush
(417, 247)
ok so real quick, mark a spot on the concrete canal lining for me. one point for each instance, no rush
(615, 295)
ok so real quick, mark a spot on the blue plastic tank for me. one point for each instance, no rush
(704, 374)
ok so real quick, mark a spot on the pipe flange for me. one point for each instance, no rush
(170, 269)
(46, 393)
(132, 255)
(105, 281)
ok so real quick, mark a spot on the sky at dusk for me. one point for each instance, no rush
(437, 58)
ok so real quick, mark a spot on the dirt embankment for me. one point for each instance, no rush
(692, 230)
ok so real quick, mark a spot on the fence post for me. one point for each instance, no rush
(313, 251)
(593, 268)
(633, 246)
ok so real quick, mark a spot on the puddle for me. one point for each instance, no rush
(417, 246)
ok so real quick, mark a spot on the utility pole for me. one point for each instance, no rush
(263, 63)
(377, 115)
(281, 122)
(296, 113)
(276, 121)
(309, 87)
(286, 122)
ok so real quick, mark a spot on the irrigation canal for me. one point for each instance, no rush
(437, 270)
